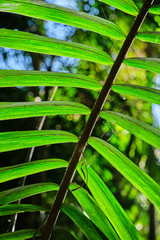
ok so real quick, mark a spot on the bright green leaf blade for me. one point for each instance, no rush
(25, 139)
(47, 11)
(127, 6)
(128, 169)
(150, 64)
(25, 169)
(15, 194)
(81, 221)
(155, 9)
(10, 209)
(14, 78)
(148, 94)
(19, 235)
(93, 211)
(36, 109)
(40, 44)
(142, 130)
(153, 37)
(109, 205)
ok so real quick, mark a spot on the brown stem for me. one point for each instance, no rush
(81, 145)
(152, 228)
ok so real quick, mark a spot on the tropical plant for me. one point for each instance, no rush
(104, 214)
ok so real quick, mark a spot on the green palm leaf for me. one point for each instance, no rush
(155, 9)
(14, 78)
(19, 235)
(142, 130)
(109, 205)
(25, 139)
(47, 11)
(153, 37)
(127, 6)
(128, 169)
(10, 209)
(40, 44)
(36, 109)
(150, 64)
(81, 221)
(15, 194)
(25, 169)
(148, 94)
(96, 215)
